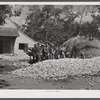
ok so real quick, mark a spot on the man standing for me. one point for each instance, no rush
(35, 53)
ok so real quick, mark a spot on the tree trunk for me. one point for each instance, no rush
(81, 19)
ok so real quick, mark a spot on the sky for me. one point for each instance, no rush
(25, 9)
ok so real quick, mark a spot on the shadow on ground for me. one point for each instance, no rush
(4, 83)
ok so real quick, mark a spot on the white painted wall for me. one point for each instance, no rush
(23, 39)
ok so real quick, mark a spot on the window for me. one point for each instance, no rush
(23, 46)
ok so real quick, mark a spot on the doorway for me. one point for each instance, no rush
(1, 47)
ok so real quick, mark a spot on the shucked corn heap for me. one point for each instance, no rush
(60, 69)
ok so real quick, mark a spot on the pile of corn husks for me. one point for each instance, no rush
(20, 55)
(60, 69)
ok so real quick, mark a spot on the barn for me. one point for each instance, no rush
(12, 40)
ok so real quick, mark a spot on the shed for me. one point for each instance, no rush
(12, 40)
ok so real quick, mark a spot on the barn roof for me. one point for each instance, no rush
(6, 31)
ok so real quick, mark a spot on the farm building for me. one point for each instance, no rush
(23, 42)
(12, 40)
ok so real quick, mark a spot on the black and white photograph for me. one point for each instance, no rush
(49, 47)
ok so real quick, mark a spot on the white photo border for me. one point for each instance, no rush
(22, 93)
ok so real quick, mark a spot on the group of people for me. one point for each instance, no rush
(45, 52)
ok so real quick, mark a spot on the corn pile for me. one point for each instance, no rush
(60, 69)
(20, 55)
(21, 64)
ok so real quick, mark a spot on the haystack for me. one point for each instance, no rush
(86, 46)
(78, 41)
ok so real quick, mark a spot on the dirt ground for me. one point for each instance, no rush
(77, 83)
